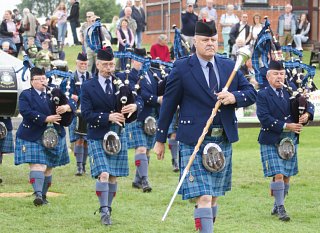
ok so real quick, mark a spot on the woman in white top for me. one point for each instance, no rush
(125, 38)
(61, 14)
(227, 20)
(303, 30)
(255, 29)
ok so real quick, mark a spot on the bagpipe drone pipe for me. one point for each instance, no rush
(181, 47)
(299, 76)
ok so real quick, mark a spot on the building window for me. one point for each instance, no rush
(255, 2)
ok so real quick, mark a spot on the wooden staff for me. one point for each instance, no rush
(243, 55)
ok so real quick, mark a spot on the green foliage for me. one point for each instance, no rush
(106, 9)
(39, 7)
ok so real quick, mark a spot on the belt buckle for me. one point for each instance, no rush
(216, 132)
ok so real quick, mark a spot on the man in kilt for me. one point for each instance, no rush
(98, 104)
(6, 143)
(195, 84)
(138, 138)
(277, 123)
(35, 106)
(79, 141)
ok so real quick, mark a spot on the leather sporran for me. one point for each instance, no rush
(111, 143)
(213, 158)
(286, 149)
(50, 138)
(150, 126)
(3, 130)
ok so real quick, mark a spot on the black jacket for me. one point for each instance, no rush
(4, 30)
(140, 18)
(188, 23)
(74, 13)
(235, 32)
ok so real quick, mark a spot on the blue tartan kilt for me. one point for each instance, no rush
(272, 163)
(200, 181)
(72, 135)
(100, 161)
(137, 137)
(36, 153)
(6, 144)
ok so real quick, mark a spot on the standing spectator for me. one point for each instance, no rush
(30, 28)
(287, 27)
(8, 29)
(160, 50)
(74, 20)
(61, 14)
(240, 30)
(189, 19)
(255, 29)
(227, 21)
(132, 24)
(125, 38)
(302, 33)
(15, 14)
(211, 11)
(113, 30)
(128, 4)
(139, 16)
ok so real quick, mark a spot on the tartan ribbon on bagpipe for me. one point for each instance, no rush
(311, 71)
(290, 49)
(27, 64)
(261, 49)
(177, 46)
(93, 36)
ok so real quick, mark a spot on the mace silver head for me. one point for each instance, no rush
(243, 54)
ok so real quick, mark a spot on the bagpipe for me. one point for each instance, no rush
(299, 76)
(181, 46)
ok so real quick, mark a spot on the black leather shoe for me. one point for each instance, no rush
(79, 171)
(0, 180)
(38, 201)
(105, 217)
(136, 185)
(145, 185)
(282, 214)
(45, 201)
(274, 210)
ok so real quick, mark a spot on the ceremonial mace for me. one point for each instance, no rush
(243, 55)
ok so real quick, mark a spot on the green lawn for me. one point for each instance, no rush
(245, 209)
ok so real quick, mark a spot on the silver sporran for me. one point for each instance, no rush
(3, 130)
(150, 125)
(50, 138)
(111, 143)
(213, 158)
(286, 149)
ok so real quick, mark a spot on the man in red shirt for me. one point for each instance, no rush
(160, 50)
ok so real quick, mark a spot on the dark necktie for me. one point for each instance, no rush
(43, 96)
(108, 87)
(280, 93)
(213, 84)
(83, 77)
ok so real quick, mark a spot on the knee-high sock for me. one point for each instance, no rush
(286, 189)
(112, 193)
(85, 155)
(137, 178)
(37, 180)
(141, 162)
(46, 184)
(173, 144)
(79, 157)
(102, 191)
(278, 192)
(203, 220)
(214, 212)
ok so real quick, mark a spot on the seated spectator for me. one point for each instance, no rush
(32, 48)
(240, 42)
(160, 50)
(302, 33)
(5, 47)
(44, 57)
(43, 34)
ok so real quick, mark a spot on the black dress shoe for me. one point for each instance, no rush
(45, 201)
(105, 216)
(79, 171)
(145, 185)
(282, 214)
(136, 185)
(0, 180)
(38, 201)
(274, 210)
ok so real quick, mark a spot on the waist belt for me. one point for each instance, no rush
(215, 132)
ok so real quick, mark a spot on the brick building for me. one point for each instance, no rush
(162, 14)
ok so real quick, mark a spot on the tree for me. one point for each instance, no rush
(105, 9)
(39, 7)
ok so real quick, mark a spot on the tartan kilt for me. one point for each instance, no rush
(36, 153)
(100, 161)
(6, 144)
(137, 137)
(72, 135)
(272, 163)
(200, 181)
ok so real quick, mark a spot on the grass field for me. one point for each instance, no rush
(245, 209)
